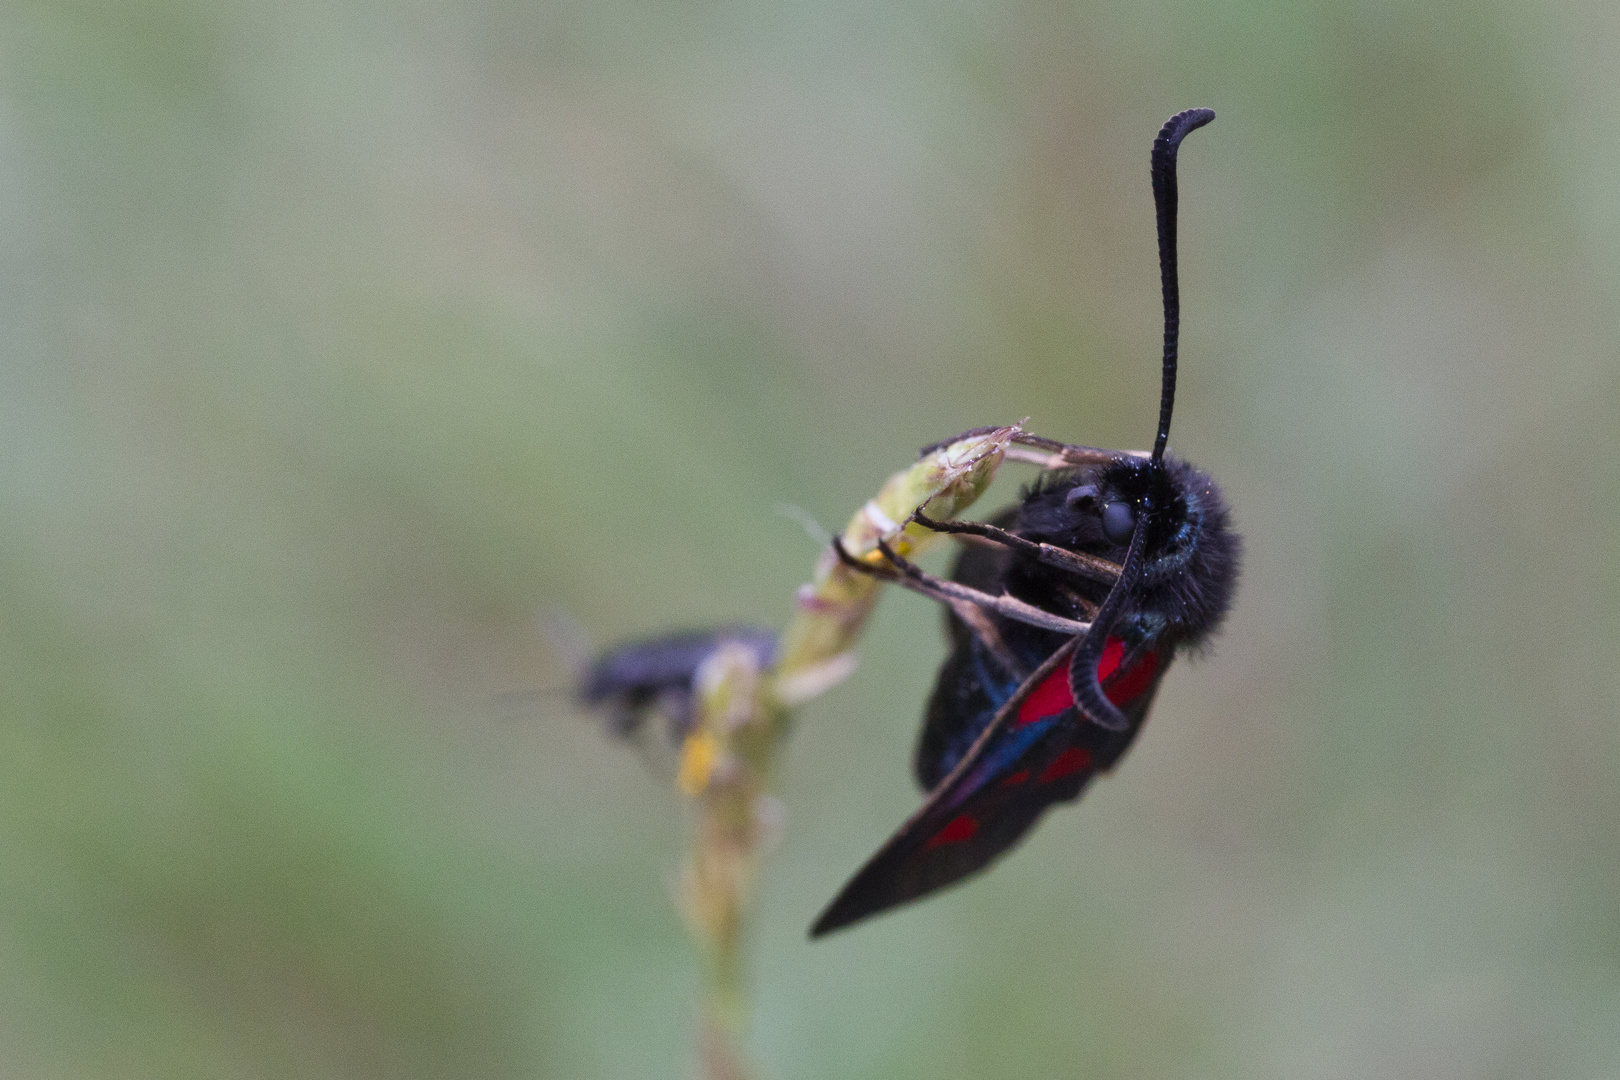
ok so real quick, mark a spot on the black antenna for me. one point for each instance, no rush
(1164, 198)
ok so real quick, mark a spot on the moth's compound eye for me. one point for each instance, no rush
(1118, 522)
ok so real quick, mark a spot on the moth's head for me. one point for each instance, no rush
(1189, 551)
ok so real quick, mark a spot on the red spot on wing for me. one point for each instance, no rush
(1053, 695)
(1133, 680)
(1067, 763)
(1113, 652)
(959, 828)
(1048, 699)
(1018, 777)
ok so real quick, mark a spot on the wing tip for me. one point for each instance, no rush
(837, 915)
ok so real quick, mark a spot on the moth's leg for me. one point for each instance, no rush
(1086, 606)
(943, 443)
(1050, 462)
(1086, 566)
(907, 575)
(919, 581)
(882, 573)
(969, 611)
(969, 540)
(1068, 455)
(984, 628)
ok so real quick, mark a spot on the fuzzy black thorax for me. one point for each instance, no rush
(1190, 553)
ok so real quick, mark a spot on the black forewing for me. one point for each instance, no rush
(966, 696)
(924, 855)
(981, 565)
(971, 685)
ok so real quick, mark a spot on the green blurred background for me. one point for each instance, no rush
(338, 338)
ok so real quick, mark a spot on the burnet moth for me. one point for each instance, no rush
(1120, 561)
(629, 681)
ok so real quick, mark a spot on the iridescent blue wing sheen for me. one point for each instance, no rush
(973, 682)
(972, 685)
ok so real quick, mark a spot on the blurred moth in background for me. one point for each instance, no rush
(659, 675)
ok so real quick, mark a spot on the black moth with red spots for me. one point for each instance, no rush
(1023, 716)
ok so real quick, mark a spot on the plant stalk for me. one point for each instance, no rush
(744, 715)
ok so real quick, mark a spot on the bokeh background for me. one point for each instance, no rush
(337, 339)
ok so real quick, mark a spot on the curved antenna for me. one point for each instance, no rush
(1164, 199)
(1083, 685)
